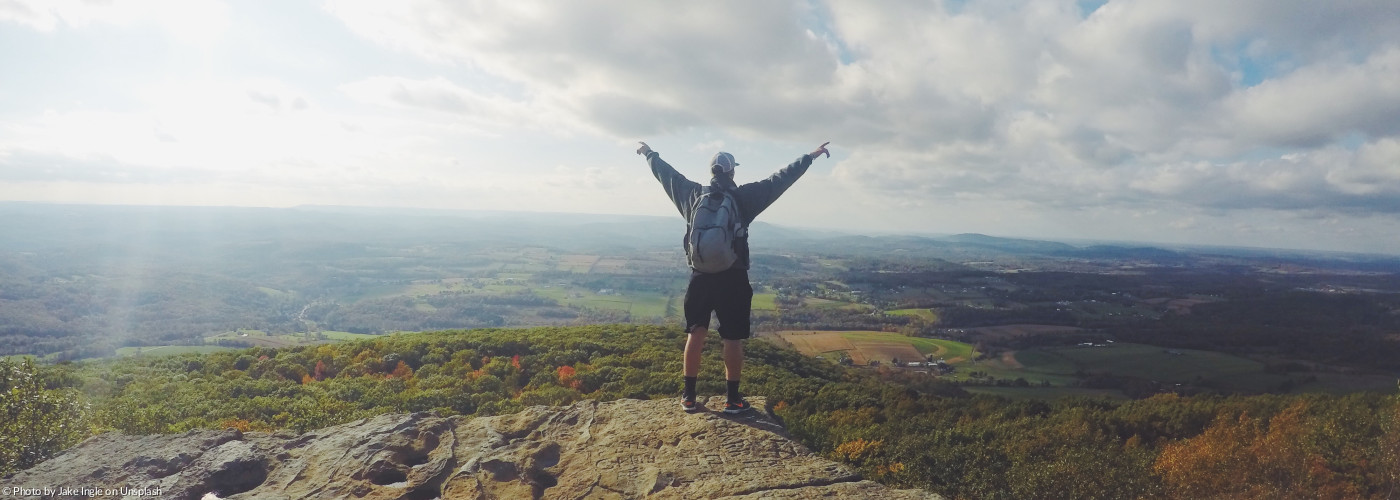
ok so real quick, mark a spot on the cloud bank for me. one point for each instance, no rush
(1256, 122)
(1280, 105)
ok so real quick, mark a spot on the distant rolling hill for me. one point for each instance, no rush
(170, 229)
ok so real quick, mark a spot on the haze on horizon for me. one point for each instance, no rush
(1251, 123)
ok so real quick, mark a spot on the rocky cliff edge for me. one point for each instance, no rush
(617, 449)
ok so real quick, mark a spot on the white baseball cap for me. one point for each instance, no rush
(725, 161)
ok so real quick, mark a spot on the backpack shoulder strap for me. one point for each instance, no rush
(741, 230)
(695, 206)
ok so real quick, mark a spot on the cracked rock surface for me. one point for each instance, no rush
(618, 449)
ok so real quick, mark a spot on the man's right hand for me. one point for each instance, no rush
(644, 149)
(820, 149)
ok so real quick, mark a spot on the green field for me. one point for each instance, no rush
(504, 283)
(976, 303)
(1033, 365)
(263, 339)
(527, 267)
(833, 304)
(237, 333)
(1336, 383)
(638, 304)
(273, 292)
(1156, 363)
(874, 346)
(1104, 310)
(1043, 393)
(924, 314)
(502, 288)
(764, 301)
(1213, 370)
(346, 335)
(576, 263)
(433, 287)
(947, 349)
(1059, 365)
(1036, 360)
(822, 303)
(167, 350)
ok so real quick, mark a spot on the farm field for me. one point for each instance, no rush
(1104, 310)
(1336, 383)
(1002, 332)
(924, 314)
(166, 350)
(261, 338)
(577, 263)
(1181, 306)
(1033, 365)
(1216, 370)
(1062, 367)
(608, 265)
(764, 301)
(820, 303)
(866, 346)
(1044, 393)
(432, 287)
(346, 335)
(638, 304)
(273, 292)
(1155, 363)
(424, 288)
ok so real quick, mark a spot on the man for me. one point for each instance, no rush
(727, 292)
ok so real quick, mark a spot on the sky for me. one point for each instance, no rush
(1266, 123)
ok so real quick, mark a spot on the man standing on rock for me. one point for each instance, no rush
(717, 219)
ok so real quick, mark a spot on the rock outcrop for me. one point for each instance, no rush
(618, 449)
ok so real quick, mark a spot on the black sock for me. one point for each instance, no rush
(689, 388)
(734, 390)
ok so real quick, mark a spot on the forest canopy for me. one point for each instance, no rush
(898, 429)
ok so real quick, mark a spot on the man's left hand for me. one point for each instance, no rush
(644, 149)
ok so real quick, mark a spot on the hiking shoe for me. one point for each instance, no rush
(739, 406)
(689, 405)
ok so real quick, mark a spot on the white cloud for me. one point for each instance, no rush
(1177, 112)
(1139, 104)
(708, 146)
(243, 131)
(191, 21)
(628, 68)
(1320, 103)
(438, 95)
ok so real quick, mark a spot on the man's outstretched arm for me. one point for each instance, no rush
(680, 189)
(755, 197)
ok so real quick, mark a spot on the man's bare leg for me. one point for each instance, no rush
(733, 365)
(694, 345)
(733, 359)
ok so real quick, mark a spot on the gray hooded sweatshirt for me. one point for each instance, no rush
(752, 198)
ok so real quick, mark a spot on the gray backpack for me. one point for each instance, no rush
(714, 225)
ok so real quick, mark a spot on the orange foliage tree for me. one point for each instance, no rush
(402, 371)
(1240, 456)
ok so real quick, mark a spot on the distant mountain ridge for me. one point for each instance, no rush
(65, 226)
(1008, 244)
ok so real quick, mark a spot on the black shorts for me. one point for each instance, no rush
(728, 294)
